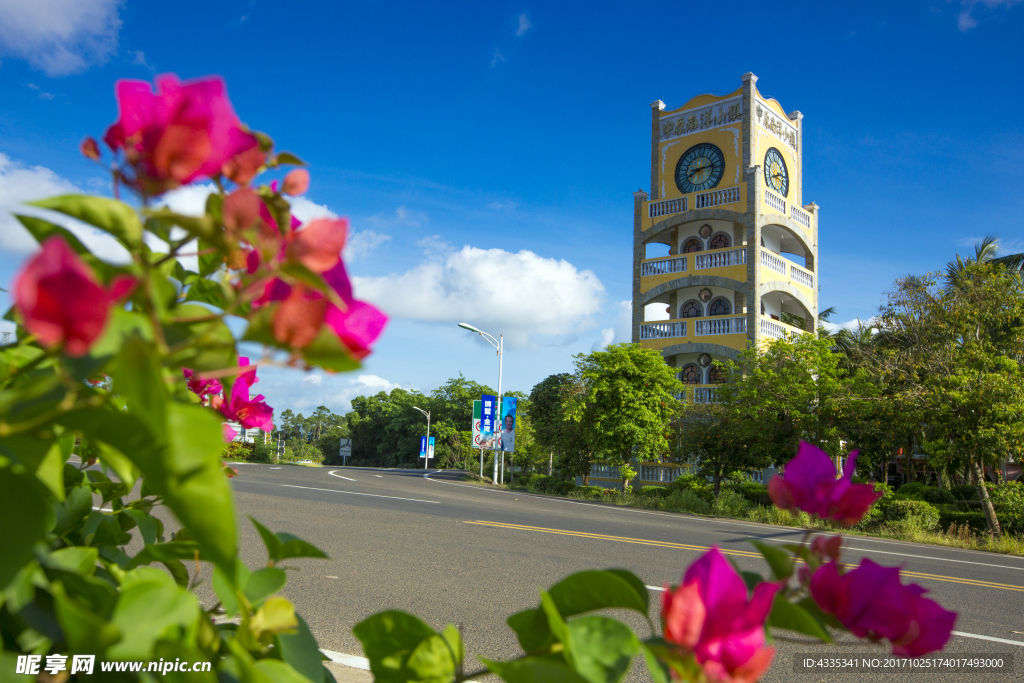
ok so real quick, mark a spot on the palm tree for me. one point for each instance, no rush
(985, 252)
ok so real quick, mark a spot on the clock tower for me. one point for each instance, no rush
(725, 252)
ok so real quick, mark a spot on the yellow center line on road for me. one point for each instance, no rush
(726, 551)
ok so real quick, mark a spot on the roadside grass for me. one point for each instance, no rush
(731, 505)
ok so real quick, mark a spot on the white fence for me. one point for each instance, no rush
(663, 267)
(720, 326)
(717, 197)
(662, 330)
(666, 207)
(733, 257)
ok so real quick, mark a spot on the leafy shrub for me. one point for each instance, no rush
(965, 492)
(686, 500)
(237, 450)
(1009, 497)
(911, 515)
(876, 513)
(912, 489)
(937, 496)
(974, 520)
(695, 484)
(730, 504)
(754, 492)
(655, 491)
(592, 491)
(769, 514)
(562, 487)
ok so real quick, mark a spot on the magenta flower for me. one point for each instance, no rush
(240, 408)
(810, 484)
(872, 603)
(710, 616)
(182, 132)
(199, 386)
(61, 301)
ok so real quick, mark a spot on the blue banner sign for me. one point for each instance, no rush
(488, 421)
(423, 446)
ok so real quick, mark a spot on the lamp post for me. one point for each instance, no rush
(499, 345)
(426, 452)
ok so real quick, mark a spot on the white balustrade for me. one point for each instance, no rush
(776, 330)
(720, 326)
(717, 197)
(733, 257)
(663, 267)
(770, 260)
(800, 216)
(666, 207)
(801, 276)
(705, 395)
(662, 330)
(660, 474)
(775, 201)
(604, 471)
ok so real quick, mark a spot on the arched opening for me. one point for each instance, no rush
(716, 375)
(720, 241)
(690, 374)
(692, 245)
(720, 306)
(691, 309)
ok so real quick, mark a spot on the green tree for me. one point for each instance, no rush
(626, 403)
(717, 438)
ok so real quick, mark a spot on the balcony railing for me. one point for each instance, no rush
(775, 201)
(663, 267)
(662, 330)
(801, 276)
(705, 395)
(717, 197)
(800, 216)
(604, 471)
(775, 330)
(733, 257)
(666, 207)
(770, 260)
(720, 326)
(660, 474)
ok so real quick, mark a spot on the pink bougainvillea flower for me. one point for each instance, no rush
(872, 603)
(299, 317)
(823, 546)
(240, 408)
(199, 386)
(296, 182)
(318, 244)
(90, 148)
(182, 132)
(810, 484)
(243, 167)
(228, 433)
(710, 615)
(61, 300)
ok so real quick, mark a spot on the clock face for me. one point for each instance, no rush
(775, 173)
(700, 168)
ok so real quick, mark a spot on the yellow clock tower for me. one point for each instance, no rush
(723, 243)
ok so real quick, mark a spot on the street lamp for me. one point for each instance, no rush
(426, 451)
(499, 345)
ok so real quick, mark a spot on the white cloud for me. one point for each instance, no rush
(360, 244)
(60, 37)
(314, 379)
(401, 217)
(524, 25)
(497, 58)
(607, 337)
(965, 21)
(507, 205)
(338, 395)
(20, 183)
(851, 325)
(520, 295)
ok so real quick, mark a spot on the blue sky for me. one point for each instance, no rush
(486, 152)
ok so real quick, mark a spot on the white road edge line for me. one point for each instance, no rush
(348, 660)
(353, 493)
(332, 473)
(955, 633)
(696, 518)
(102, 509)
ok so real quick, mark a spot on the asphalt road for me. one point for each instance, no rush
(454, 552)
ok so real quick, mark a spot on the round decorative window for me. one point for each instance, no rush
(705, 295)
(705, 231)
(704, 359)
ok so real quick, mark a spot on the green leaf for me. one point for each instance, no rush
(22, 498)
(109, 215)
(279, 672)
(557, 624)
(42, 457)
(224, 585)
(452, 636)
(263, 583)
(779, 560)
(659, 672)
(165, 552)
(533, 670)
(531, 628)
(101, 529)
(401, 647)
(84, 630)
(140, 381)
(752, 579)
(121, 325)
(811, 607)
(186, 652)
(77, 559)
(667, 661)
(207, 291)
(178, 571)
(270, 540)
(146, 524)
(210, 259)
(289, 158)
(301, 651)
(196, 226)
(293, 546)
(602, 648)
(792, 617)
(152, 607)
(327, 351)
(43, 229)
